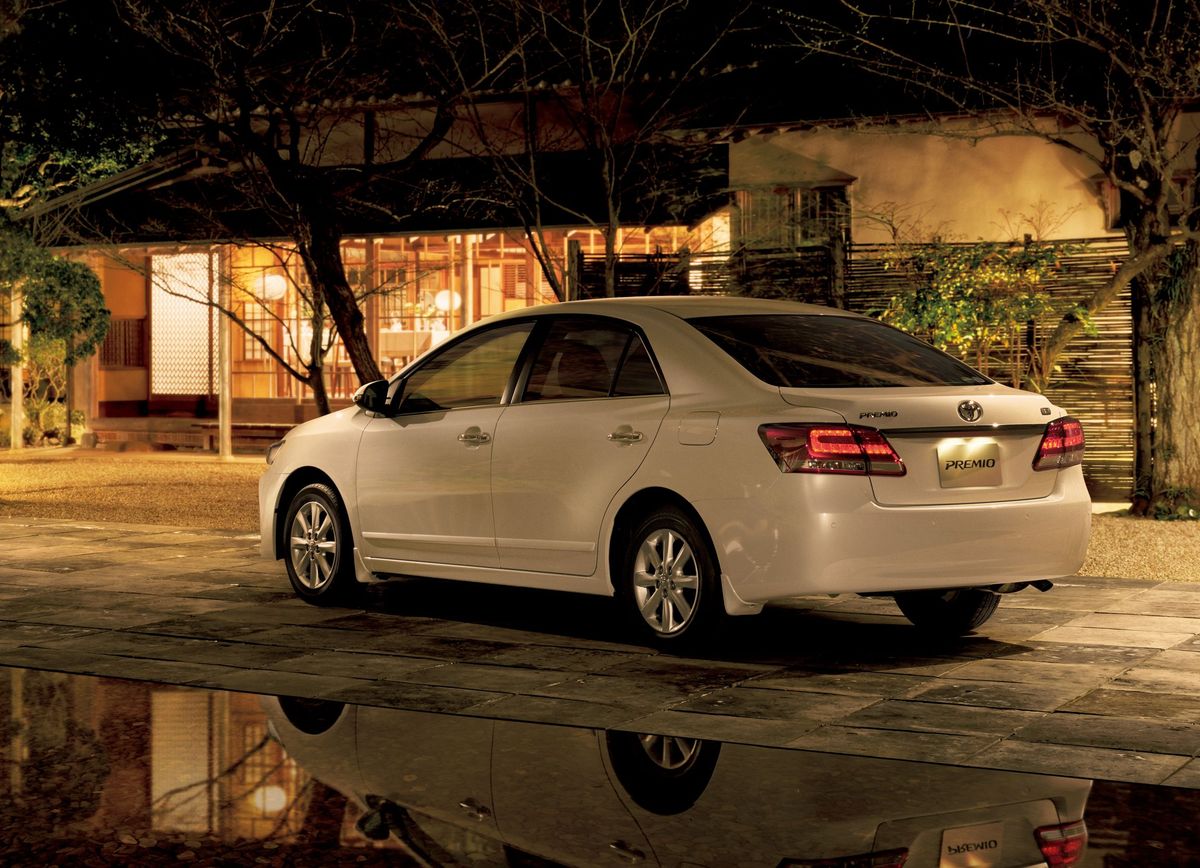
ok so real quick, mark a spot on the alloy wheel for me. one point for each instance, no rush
(313, 545)
(670, 752)
(666, 581)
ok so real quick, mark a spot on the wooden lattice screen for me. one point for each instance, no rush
(1094, 379)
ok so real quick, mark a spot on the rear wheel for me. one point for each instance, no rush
(670, 583)
(948, 612)
(319, 560)
(663, 774)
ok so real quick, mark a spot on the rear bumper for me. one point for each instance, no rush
(797, 538)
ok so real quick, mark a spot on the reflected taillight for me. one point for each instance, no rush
(851, 449)
(1061, 446)
(1062, 845)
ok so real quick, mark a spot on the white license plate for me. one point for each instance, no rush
(970, 462)
(972, 846)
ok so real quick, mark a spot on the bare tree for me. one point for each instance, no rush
(594, 96)
(1115, 83)
(288, 93)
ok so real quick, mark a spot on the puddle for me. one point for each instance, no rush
(102, 771)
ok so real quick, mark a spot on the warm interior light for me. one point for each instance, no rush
(274, 285)
(270, 799)
(447, 300)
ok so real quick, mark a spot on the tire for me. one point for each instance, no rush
(663, 774)
(669, 583)
(948, 613)
(311, 716)
(319, 550)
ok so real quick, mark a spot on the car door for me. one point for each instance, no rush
(423, 474)
(553, 797)
(591, 405)
(435, 765)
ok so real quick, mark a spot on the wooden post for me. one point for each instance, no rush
(16, 380)
(470, 313)
(224, 360)
(574, 270)
(67, 439)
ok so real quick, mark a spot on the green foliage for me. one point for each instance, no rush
(968, 298)
(63, 301)
(1176, 504)
(1176, 276)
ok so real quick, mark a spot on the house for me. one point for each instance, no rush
(804, 209)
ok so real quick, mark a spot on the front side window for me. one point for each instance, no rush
(589, 359)
(473, 372)
(813, 351)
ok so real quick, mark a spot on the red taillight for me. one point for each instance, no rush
(831, 449)
(1063, 844)
(1061, 446)
(881, 859)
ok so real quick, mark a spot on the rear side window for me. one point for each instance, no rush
(586, 358)
(638, 376)
(814, 351)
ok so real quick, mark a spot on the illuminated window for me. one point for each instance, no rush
(782, 217)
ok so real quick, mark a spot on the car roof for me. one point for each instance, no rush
(691, 306)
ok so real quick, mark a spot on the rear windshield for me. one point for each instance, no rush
(807, 351)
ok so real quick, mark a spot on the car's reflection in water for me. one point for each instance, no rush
(454, 790)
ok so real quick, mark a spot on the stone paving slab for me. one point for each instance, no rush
(1099, 677)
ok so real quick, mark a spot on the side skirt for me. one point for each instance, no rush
(380, 569)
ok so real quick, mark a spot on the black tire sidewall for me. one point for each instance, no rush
(656, 789)
(709, 603)
(342, 570)
(966, 609)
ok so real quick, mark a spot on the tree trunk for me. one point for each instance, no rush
(316, 382)
(1143, 395)
(322, 254)
(1175, 476)
(610, 258)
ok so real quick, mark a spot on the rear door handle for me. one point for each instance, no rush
(627, 851)
(474, 809)
(620, 436)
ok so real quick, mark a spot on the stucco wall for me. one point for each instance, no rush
(954, 188)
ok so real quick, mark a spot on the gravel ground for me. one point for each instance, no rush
(137, 487)
(1142, 548)
(200, 491)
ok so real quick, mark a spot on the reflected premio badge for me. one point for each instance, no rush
(972, 846)
(967, 463)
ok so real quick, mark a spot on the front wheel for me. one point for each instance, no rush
(670, 581)
(948, 612)
(319, 548)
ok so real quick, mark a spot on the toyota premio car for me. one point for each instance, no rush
(696, 457)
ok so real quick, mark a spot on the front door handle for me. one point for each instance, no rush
(474, 437)
(623, 436)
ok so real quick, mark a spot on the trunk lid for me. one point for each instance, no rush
(984, 453)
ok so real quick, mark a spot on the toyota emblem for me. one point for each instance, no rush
(970, 411)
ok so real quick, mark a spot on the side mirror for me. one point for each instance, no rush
(372, 397)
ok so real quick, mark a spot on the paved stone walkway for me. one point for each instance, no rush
(1098, 678)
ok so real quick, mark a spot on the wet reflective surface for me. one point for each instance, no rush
(101, 771)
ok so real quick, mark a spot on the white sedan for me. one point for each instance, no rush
(696, 457)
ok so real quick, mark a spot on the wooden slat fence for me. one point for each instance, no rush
(1093, 380)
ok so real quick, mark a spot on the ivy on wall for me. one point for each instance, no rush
(974, 300)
